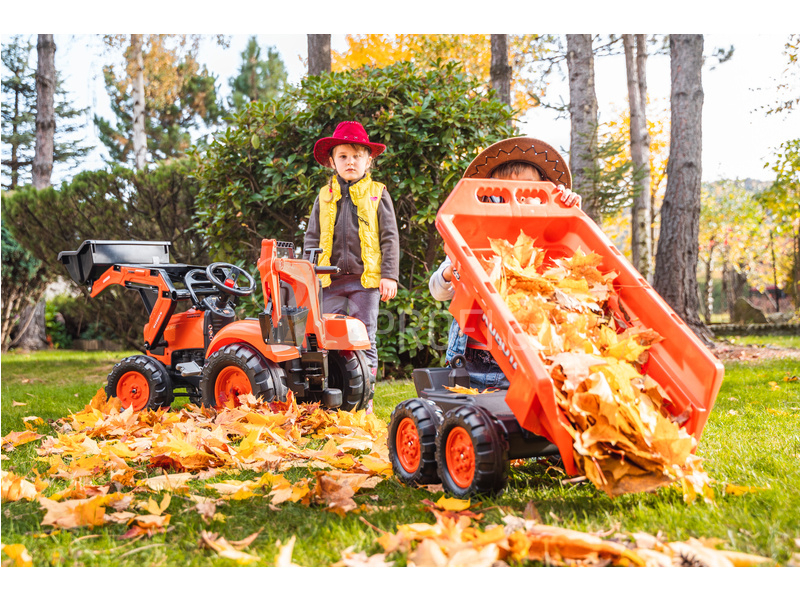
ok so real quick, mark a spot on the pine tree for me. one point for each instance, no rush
(19, 117)
(258, 79)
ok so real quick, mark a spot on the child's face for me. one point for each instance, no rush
(350, 162)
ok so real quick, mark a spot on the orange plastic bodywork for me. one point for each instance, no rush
(680, 363)
(248, 331)
(333, 332)
(184, 330)
(133, 390)
(231, 383)
(409, 448)
(460, 457)
(163, 307)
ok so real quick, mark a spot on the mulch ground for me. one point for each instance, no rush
(729, 352)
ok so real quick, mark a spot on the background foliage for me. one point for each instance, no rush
(119, 204)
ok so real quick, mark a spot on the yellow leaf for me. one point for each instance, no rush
(16, 487)
(19, 554)
(452, 504)
(739, 490)
(224, 549)
(774, 386)
(17, 438)
(74, 513)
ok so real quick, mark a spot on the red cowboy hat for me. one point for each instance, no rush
(347, 132)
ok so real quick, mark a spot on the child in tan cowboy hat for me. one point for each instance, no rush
(516, 159)
(353, 221)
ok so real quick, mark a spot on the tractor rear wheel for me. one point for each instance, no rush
(239, 369)
(348, 370)
(471, 453)
(412, 441)
(140, 382)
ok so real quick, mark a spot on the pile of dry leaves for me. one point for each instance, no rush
(625, 439)
(344, 452)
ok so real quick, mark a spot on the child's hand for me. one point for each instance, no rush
(388, 288)
(569, 198)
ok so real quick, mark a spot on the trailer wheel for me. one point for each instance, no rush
(471, 453)
(239, 369)
(412, 441)
(140, 382)
(348, 370)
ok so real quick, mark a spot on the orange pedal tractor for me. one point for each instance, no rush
(466, 441)
(208, 352)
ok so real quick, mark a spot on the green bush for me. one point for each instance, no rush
(56, 327)
(259, 179)
(119, 204)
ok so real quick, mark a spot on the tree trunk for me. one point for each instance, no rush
(583, 116)
(319, 53)
(45, 111)
(635, 57)
(33, 335)
(139, 135)
(500, 70)
(676, 261)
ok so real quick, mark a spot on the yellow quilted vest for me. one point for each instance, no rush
(366, 195)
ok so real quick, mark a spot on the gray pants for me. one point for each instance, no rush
(346, 296)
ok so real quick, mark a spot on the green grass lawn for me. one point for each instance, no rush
(752, 439)
(775, 341)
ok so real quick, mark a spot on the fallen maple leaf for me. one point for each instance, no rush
(74, 513)
(452, 504)
(739, 490)
(19, 554)
(17, 438)
(224, 549)
(284, 557)
(174, 482)
(360, 559)
(16, 487)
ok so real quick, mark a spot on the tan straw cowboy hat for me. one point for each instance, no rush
(524, 149)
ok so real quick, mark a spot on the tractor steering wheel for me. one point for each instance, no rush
(230, 275)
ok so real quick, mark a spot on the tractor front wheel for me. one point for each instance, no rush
(348, 370)
(412, 441)
(140, 382)
(239, 369)
(471, 453)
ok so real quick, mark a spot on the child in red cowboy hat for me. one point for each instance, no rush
(353, 222)
(516, 159)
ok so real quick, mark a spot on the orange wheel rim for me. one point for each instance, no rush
(133, 390)
(409, 449)
(460, 456)
(231, 383)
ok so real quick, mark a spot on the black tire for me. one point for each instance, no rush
(349, 371)
(267, 379)
(423, 417)
(150, 372)
(489, 471)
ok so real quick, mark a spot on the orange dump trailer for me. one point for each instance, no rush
(466, 440)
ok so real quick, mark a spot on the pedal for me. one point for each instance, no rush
(188, 369)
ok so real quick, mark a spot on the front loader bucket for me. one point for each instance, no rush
(94, 257)
(680, 363)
